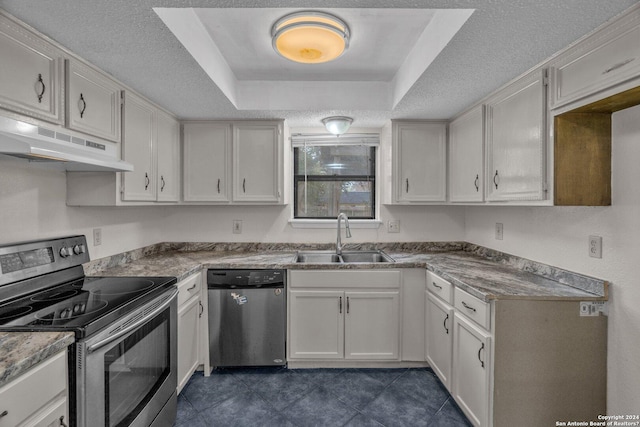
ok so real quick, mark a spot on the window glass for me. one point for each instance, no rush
(330, 179)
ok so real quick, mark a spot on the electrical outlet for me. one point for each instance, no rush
(499, 231)
(97, 236)
(595, 246)
(237, 226)
(393, 226)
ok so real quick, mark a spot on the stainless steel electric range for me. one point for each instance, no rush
(122, 365)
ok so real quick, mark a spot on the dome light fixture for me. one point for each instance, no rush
(337, 125)
(310, 37)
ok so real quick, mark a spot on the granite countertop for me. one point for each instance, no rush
(19, 351)
(484, 273)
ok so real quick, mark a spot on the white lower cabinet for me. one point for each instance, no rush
(38, 398)
(190, 310)
(339, 315)
(471, 369)
(439, 338)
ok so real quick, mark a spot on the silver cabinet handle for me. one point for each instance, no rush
(62, 423)
(134, 325)
(476, 181)
(162, 183)
(201, 308)
(340, 305)
(347, 305)
(496, 179)
(618, 65)
(468, 307)
(445, 324)
(192, 287)
(436, 285)
(479, 351)
(244, 187)
(407, 181)
(147, 181)
(218, 185)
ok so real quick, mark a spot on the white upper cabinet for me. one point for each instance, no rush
(515, 137)
(168, 157)
(207, 161)
(466, 157)
(31, 74)
(233, 162)
(93, 102)
(257, 165)
(419, 162)
(151, 142)
(600, 61)
(137, 149)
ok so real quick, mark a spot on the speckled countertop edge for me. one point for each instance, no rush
(485, 273)
(20, 351)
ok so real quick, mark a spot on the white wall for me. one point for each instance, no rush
(558, 236)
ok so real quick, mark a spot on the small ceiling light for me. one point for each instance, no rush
(337, 125)
(310, 37)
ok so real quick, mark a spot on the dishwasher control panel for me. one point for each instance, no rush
(245, 278)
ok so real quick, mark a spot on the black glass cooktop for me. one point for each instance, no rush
(82, 306)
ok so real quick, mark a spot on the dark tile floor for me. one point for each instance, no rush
(317, 397)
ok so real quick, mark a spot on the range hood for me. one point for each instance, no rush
(59, 148)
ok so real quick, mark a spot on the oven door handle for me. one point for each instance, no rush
(133, 326)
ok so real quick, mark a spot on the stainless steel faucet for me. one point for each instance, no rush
(347, 234)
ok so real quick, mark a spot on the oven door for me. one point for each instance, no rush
(126, 373)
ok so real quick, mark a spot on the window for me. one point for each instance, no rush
(334, 178)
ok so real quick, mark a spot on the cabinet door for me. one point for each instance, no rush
(188, 342)
(168, 157)
(466, 157)
(316, 324)
(93, 102)
(372, 325)
(138, 149)
(207, 162)
(30, 70)
(471, 370)
(515, 138)
(256, 161)
(439, 340)
(419, 152)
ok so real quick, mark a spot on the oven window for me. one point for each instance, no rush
(135, 369)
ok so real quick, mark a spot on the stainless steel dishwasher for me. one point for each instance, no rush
(247, 317)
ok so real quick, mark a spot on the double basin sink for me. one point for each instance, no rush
(347, 257)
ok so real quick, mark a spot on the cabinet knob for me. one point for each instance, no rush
(40, 93)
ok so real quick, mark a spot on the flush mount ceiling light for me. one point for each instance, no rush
(337, 125)
(310, 37)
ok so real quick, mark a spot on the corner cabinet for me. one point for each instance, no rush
(419, 152)
(515, 138)
(233, 162)
(93, 101)
(466, 157)
(39, 397)
(32, 71)
(344, 315)
(151, 142)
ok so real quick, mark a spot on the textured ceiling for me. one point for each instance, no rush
(502, 39)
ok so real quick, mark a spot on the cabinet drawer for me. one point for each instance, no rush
(475, 309)
(188, 287)
(599, 62)
(30, 392)
(439, 287)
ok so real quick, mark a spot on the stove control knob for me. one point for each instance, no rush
(65, 252)
(79, 249)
